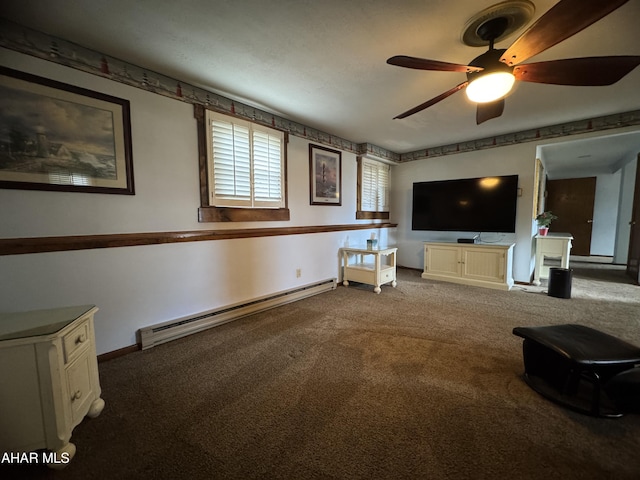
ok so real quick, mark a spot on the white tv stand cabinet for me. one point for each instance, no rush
(483, 265)
(49, 380)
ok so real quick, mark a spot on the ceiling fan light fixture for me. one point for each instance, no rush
(490, 87)
(491, 76)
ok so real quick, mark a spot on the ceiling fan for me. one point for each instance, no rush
(491, 75)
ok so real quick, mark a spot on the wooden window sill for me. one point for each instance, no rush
(228, 214)
(362, 215)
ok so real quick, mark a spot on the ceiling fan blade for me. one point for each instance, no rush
(589, 71)
(562, 21)
(424, 64)
(487, 111)
(433, 101)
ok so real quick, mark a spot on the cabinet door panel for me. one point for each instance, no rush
(442, 260)
(485, 264)
(80, 392)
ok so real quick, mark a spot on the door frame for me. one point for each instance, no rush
(633, 264)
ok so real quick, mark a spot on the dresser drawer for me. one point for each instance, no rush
(387, 276)
(75, 341)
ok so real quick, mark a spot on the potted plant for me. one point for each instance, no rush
(544, 220)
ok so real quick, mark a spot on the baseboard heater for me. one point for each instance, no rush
(181, 327)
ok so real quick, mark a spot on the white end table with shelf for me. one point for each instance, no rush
(551, 245)
(49, 379)
(374, 266)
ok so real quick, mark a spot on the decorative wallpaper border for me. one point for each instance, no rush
(608, 122)
(31, 42)
(37, 44)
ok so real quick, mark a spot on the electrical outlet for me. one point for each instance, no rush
(298, 272)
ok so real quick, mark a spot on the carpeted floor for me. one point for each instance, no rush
(423, 381)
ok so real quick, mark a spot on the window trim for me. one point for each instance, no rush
(367, 214)
(211, 213)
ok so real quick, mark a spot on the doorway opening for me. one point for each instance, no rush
(592, 186)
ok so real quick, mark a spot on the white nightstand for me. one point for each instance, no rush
(49, 379)
(375, 266)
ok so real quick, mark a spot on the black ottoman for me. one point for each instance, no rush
(624, 390)
(568, 363)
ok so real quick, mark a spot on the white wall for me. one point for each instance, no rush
(510, 160)
(623, 228)
(605, 214)
(611, 217)
(145, 285)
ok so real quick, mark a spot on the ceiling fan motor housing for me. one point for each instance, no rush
(497, 22)
(490, 62)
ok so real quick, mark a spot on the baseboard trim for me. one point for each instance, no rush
(183, 326)
(410, 268)
(121, 352)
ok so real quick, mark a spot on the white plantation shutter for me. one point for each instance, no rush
(246, 163)
(383, 187)
(369, 179)
(375, 186)
(231, 163)
(267, 168)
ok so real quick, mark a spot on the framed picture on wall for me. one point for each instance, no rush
(325, 175)
(55, 136)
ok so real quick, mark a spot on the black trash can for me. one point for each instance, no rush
(560, 282)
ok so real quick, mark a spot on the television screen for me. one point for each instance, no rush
(486, 204)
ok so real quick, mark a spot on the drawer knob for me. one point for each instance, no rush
(76, 395)
(81, 338)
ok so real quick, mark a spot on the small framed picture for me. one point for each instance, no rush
(325, 175)
(55, 136)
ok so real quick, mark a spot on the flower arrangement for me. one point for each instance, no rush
(545, 219)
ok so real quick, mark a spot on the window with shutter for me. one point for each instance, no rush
(373, 194)
(246, 163)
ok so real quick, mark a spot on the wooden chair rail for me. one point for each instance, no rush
(19, 246)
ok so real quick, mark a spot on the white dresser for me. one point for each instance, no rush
(49, 379)
(483, 265)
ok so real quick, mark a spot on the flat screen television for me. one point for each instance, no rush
(486, 204)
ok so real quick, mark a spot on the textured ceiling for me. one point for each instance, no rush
(323, 63)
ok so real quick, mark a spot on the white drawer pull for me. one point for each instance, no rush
(76, 395)
(81, 338)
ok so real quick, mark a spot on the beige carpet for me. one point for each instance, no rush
(420, 382)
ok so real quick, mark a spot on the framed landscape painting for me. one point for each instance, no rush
(325, 175)
(55, 136)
